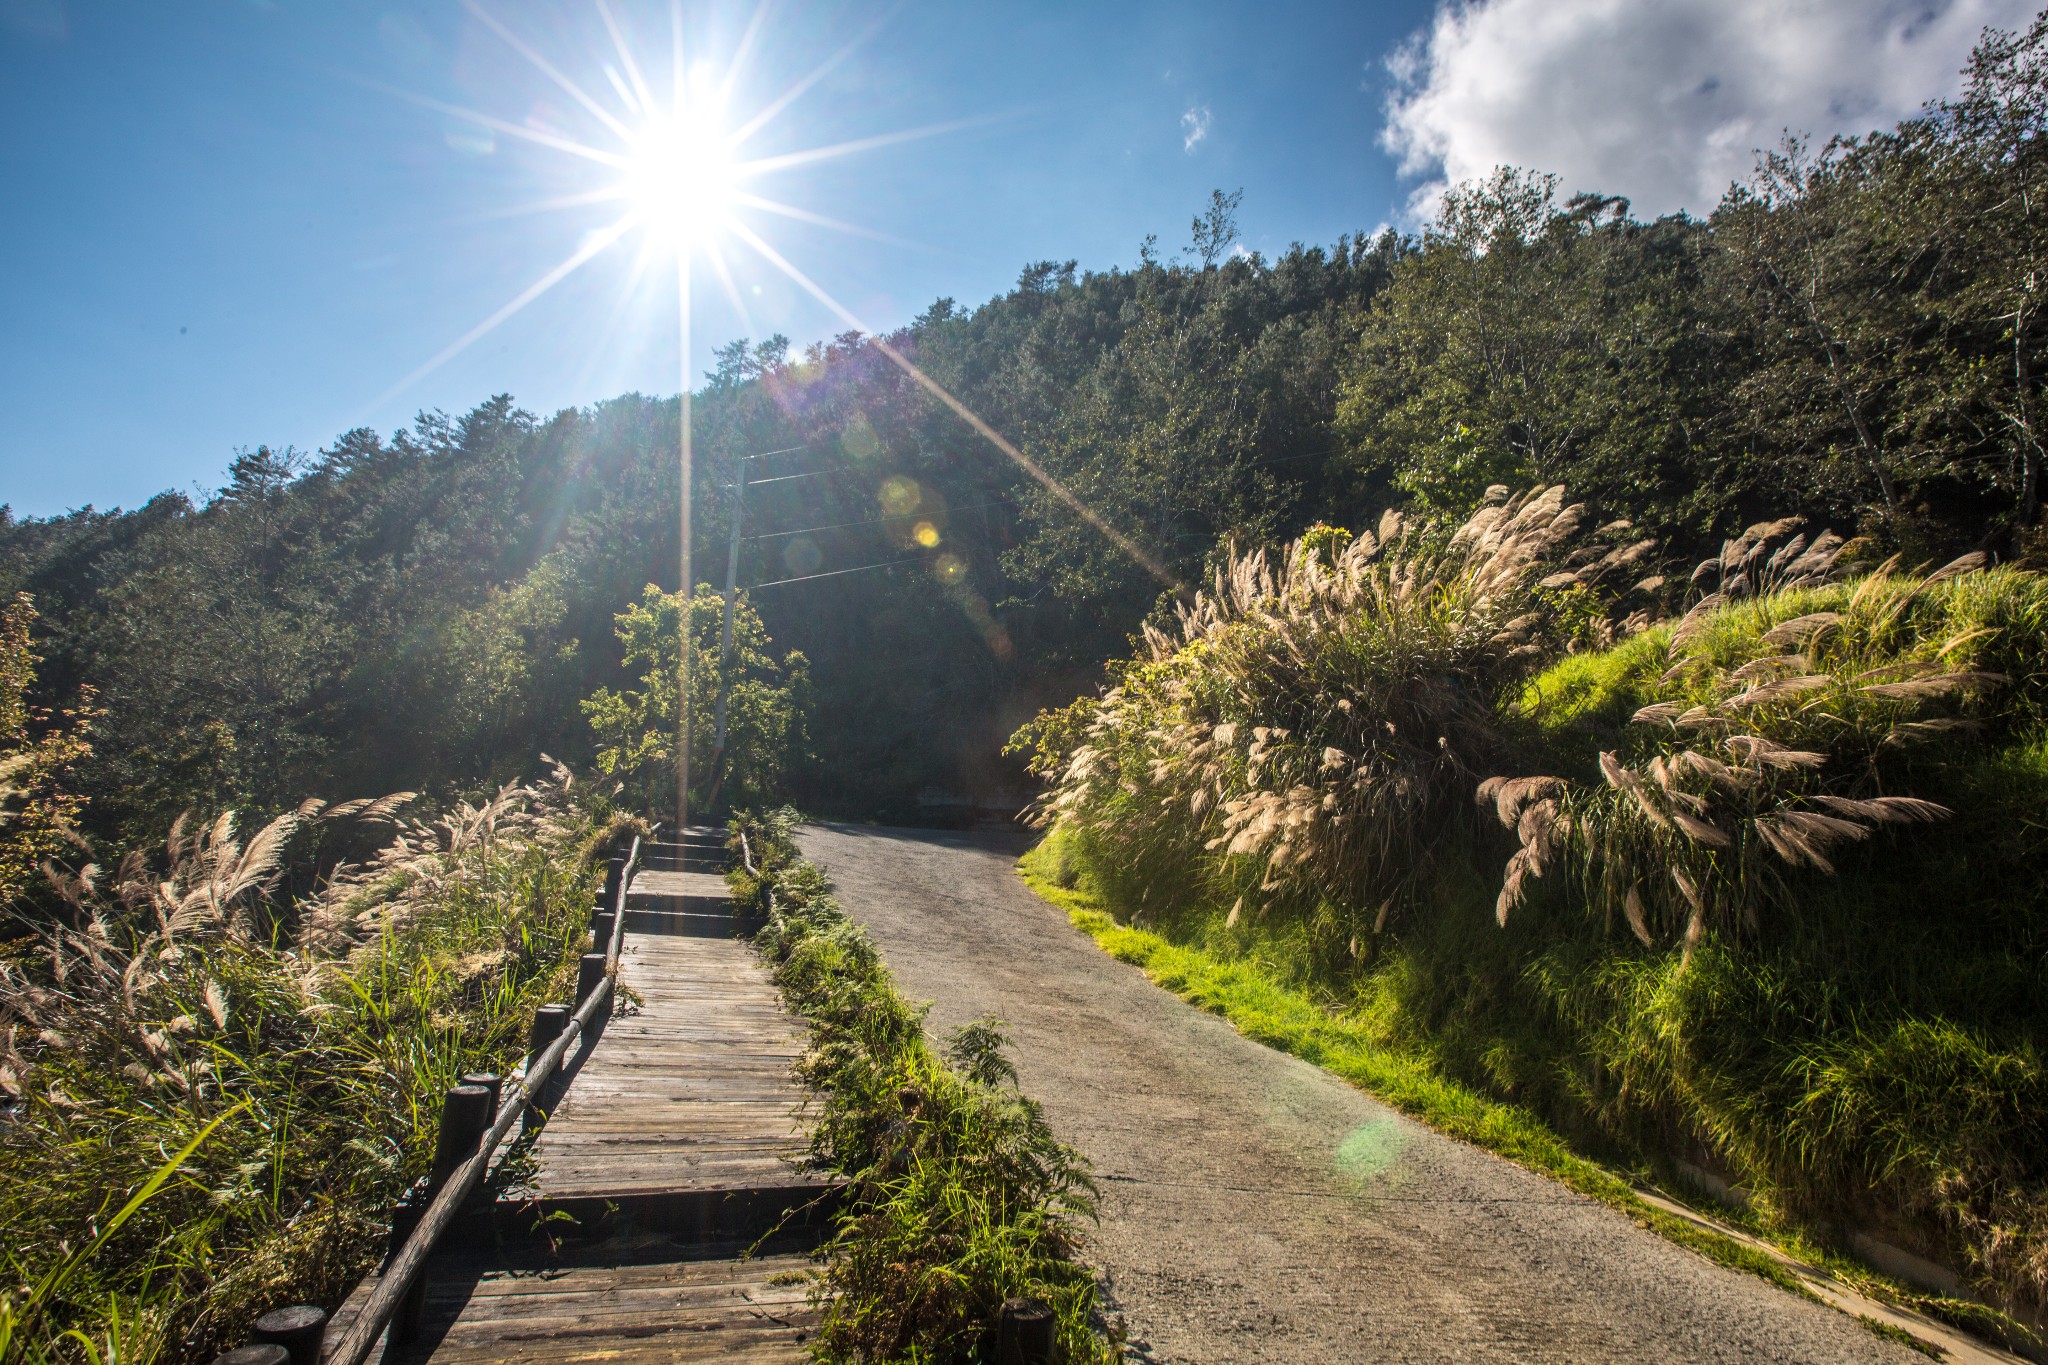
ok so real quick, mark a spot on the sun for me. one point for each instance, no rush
(681, 179)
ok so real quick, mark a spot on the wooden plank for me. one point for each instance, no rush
(691, 1093)
(682, 1120)
(753, 1310)
(654, 882)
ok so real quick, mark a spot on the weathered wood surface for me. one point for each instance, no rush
(677, 1127)
(706, 886)
(692, 1092)
(618, 1309)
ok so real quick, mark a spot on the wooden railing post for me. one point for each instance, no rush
(301, 1329)
(490, 1081)
(465, 1118)
(1024, 1333)
(589, 976)
(548, 1023)
(601, 932)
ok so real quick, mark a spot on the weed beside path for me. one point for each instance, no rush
(958, 1195)
(250, 1085)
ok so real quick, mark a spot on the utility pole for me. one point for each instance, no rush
(688, 588)
(732, 577)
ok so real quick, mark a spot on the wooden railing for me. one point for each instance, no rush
(475, 1120)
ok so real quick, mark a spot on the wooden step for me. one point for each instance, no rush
(687, 924)
(636, 1300)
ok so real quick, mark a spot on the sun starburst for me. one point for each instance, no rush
(680, 173)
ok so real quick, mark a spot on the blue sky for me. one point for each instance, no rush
(227, 223)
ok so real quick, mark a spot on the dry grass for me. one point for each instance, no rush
(1315, 719)
(294, 1055)
(1760, 754)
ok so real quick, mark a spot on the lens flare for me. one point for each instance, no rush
(899, 496)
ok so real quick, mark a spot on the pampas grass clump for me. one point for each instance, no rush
(279, 1063)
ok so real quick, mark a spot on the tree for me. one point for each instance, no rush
(1213, 230)
(767, 704)
(1528, 341)
(1988, 159)
(40, 803)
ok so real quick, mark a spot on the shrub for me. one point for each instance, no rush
(958, 1196)
(1314, 730)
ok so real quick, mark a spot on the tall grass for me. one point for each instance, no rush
(1756, 889)
(1314, 723)
(958, 1196)
(268, 1075)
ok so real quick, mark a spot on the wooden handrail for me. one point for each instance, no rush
(363, 1334)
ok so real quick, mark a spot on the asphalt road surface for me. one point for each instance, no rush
(1255, 1208)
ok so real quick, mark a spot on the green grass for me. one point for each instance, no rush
(1288, 1020)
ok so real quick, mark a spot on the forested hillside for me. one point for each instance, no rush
(1855, 335)
(1503, 662)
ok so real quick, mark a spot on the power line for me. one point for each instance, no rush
(785, 478)
(834, 573)
(876, 521)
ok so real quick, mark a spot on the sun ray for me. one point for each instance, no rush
(738, 61)
(629, 291)
(765, 165)
(685, 580)
(960, 409)
(519, 130)
(605, 195)
(731, 287)
(679, 74)
(795, 92)
(625, 51)
(592, 245)
(547, 69)
(624, 91)
(821, 220)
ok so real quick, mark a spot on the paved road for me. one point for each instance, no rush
(1255, 1208)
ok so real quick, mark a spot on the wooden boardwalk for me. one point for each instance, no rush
(616, 1308)
(668, 1156)
(691, 1092)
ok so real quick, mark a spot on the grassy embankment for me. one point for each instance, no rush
(220, 1094)
(959, 1196)
(1827, 992)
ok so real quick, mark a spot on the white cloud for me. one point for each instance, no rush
(1194, 126)
(1664, 101)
